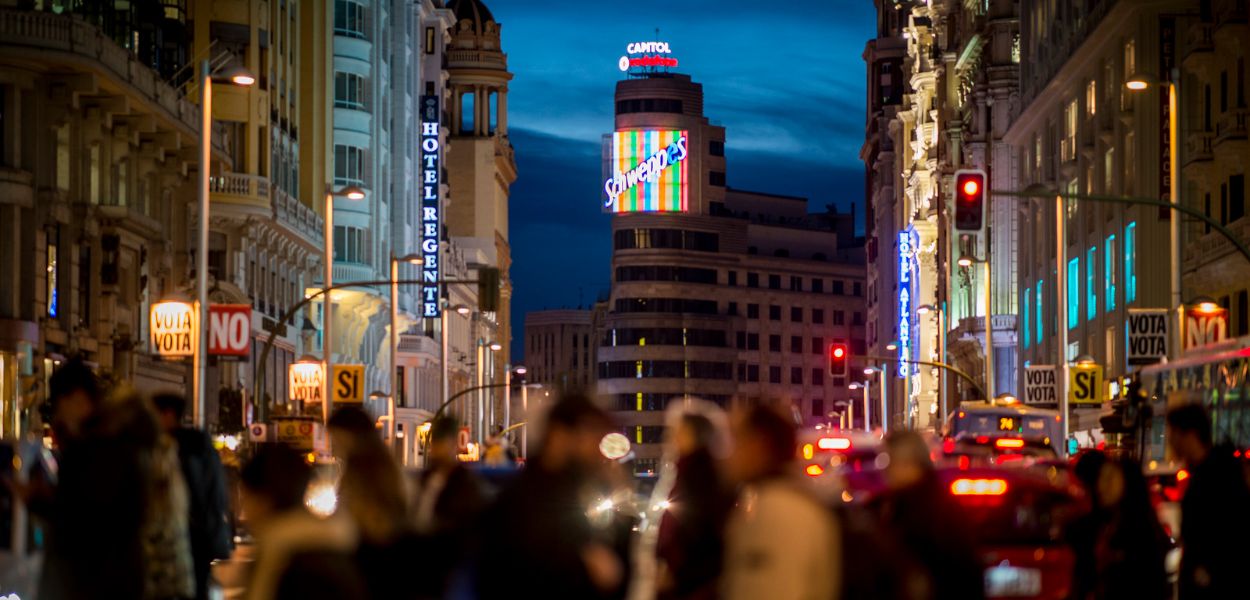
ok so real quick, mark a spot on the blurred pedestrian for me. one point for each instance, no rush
(780, 542)
(1083, 532)
(209, 506)
(373, 494)
(540, 541)
(1130, 545)
(96, 511)
(449, 499)
(351, 429)
(297, 555)
(690, 549)
(1214, 520)
(927, 525)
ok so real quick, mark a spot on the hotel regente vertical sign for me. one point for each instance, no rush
(431, 219)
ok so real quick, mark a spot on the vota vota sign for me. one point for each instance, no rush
(649, 172)
(431, 219)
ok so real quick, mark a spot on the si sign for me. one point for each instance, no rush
(1085, 385)
(349, 383)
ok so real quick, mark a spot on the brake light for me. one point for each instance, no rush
(979, 487)
(834, 443)
(948, 446)
(983, 439)
(1182, 475)
(807, 451)
(814, 470)
(1009, 443)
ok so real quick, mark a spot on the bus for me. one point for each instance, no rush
(1218, 379)
(989, 421)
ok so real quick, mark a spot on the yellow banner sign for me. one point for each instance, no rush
(1085, 385)
(349, 384)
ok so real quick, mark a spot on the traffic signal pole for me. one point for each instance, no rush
(951, 368)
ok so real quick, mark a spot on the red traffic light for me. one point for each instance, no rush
(969, 199)
(838, 356)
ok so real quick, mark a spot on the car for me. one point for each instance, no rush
(1009, 450)
(1018, 517)
(842, 462)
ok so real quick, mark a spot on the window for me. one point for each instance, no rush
(818, 345)
(753, 280)
(652, 105)
(774, 282)
(774, 343)
(742, 340)
(666, 273)
(1236, 197)
(1108, 273)
(349, 165)
(753, 373)
(857, 318)
(1091, 290)
(1108, 172)
(1130, 263)
(53, 271)
(1041, 285)
(1128, 184)
(796, 344)
(732, 309)
(1243, 306)
(1067, 151)
(796, 283)
(716, 148)
(753, 341)
(753, 311)
(774, 312)
(1074, 292)
(818, 377)
(676, 239)
(774, 374)
(1091, 98)
(818, 316)
(666, 305)
(818, 285)
(839, 317)
(349, 18)
(796, 375)
(349, 90)
(818, 407)
(716, 178)
(1028, 300)
(838, 287)
(733, 278)
(429, 40)
(857, 289)
(796, 314)
(1130, 59)
(349, 244)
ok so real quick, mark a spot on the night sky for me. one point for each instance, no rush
(786, 79)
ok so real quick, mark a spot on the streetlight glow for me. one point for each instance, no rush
(463, 310)
(965, 261)
(1137, 84)
(496, 346)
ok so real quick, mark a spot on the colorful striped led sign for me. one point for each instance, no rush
(649, 172)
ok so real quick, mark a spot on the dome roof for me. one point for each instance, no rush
(473, 10)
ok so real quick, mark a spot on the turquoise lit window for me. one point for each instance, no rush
(1130, 263)
(1028, 299)
(1091, 291)
(1074, 292)
(1041, 328)
(1108, 273)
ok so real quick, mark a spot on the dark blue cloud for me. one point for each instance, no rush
(786, 79)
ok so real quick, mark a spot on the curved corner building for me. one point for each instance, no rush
(720, 294)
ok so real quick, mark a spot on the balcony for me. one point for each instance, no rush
(16, 187)
(1213, 246)
(241, 193)
(475, 58)
(419, 345)
(301, 220)
(1198, 146)
(1231, 126)
(1200, 47)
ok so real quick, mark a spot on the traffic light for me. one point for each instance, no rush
(969, 199)
(839, 355)
(488, 289)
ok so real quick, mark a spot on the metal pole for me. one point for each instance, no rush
(867, 408)
(444, 321)
(885, 398)
(1061, 310)
(943, 390)
(850, 414)
(525, 408)
(394, 333)
(1174, 227)
(327, 304)
(201, 259)
(480, 417)
(989, 328)
(507, 397)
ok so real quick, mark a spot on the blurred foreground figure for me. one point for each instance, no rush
(117, 516)
(209, 506)
(539, 539)
(781, 542)
(690, 549)
(298, 556)
(449, 499)
(927, 525)
(373, 495)
(1215, 523)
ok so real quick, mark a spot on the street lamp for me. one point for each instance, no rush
(350, 192)
(464, 311)
(507, 393)
(1205, 305)
(867, 402)
(412, 259)
(1142, 82)
(238, 76)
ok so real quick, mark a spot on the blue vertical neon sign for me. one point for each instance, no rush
(431, 224)
(906, 292)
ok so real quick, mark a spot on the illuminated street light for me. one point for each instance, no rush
(892, 346)
(495, 346)
(1205, 305)
(964, 261)
(1085, 360)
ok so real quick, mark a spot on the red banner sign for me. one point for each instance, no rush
(229, 329)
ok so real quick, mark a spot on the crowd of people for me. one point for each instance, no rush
(138, 505)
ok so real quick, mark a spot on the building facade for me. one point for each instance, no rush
(721, 294)
(561, 347)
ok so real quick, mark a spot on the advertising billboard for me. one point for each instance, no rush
(648, 172)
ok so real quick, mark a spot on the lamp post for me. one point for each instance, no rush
(327, 339)
(966, 262)
(237, 76)
(463, 311)
(412, 259)
(507, 393)
(489, 394)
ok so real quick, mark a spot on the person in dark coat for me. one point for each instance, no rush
(690, 549)
(373, 494)
(1214, 519)
(298, 556)
(211, 533)
(1082, 533)
(926, 523)
(539, 541)
(449, 499)
(1130, 545)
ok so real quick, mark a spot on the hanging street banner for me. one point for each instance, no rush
(349, 383)
(1147, 331)
(230, 330)
(1085, 385)
(1039, 385)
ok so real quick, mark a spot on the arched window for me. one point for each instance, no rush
(467, 108)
